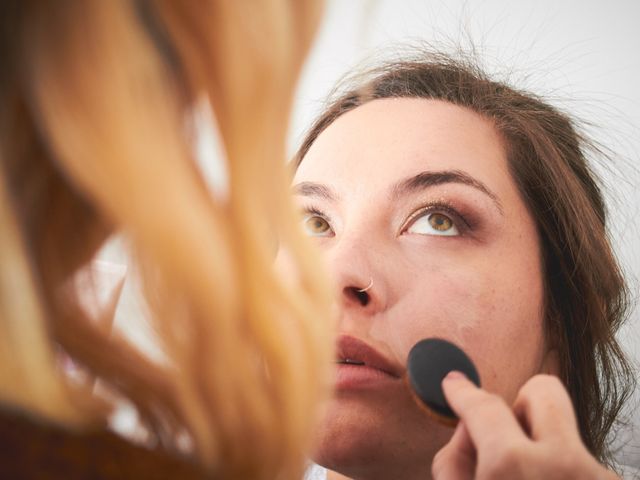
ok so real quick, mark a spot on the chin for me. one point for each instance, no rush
(369, 438)
(350, 435)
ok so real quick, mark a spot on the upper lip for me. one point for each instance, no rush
(356, 351)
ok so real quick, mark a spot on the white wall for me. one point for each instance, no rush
(582, 54)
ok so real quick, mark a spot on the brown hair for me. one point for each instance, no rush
(97, 103)
(585, 293)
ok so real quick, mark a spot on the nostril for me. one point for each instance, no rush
(363, 298)
(357, 294)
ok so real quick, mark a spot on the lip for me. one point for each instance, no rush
(372, 368)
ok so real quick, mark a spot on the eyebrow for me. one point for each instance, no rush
(311, 189)
(425, 180)
(412, 184)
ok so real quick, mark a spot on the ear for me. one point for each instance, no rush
(551, 363)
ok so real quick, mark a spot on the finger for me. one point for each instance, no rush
(544, 406)
(457, 459)
(488, 419)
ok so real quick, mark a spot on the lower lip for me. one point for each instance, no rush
(350, 377)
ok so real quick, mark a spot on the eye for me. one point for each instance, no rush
(315, 225)
(433, 223)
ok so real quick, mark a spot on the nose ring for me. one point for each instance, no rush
(367, 287)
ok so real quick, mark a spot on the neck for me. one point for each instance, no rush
(423, 473)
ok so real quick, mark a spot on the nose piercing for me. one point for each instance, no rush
(367, 287)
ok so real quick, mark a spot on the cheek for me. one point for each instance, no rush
(492, 310)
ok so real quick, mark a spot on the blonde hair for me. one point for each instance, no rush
(95, 138)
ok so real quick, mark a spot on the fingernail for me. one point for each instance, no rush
(455, 375)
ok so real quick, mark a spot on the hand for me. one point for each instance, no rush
(536, 439)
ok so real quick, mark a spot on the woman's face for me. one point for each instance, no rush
(413, 198)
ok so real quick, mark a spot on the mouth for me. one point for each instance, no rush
(348, 361)
(353, 353)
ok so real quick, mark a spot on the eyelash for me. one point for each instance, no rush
(443, 207)
(460, 220)
(312, 210)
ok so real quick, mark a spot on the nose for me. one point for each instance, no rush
(359, 275)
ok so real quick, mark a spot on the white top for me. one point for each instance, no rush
(315, 472)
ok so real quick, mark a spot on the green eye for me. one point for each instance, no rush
(434, 224)
(316, 226)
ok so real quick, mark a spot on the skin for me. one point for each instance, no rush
(458, 258)
(491, 440)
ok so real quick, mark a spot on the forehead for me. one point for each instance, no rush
(385, 140)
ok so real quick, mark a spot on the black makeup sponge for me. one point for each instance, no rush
(429, 361)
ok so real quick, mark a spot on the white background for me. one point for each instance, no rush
(582, 55)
